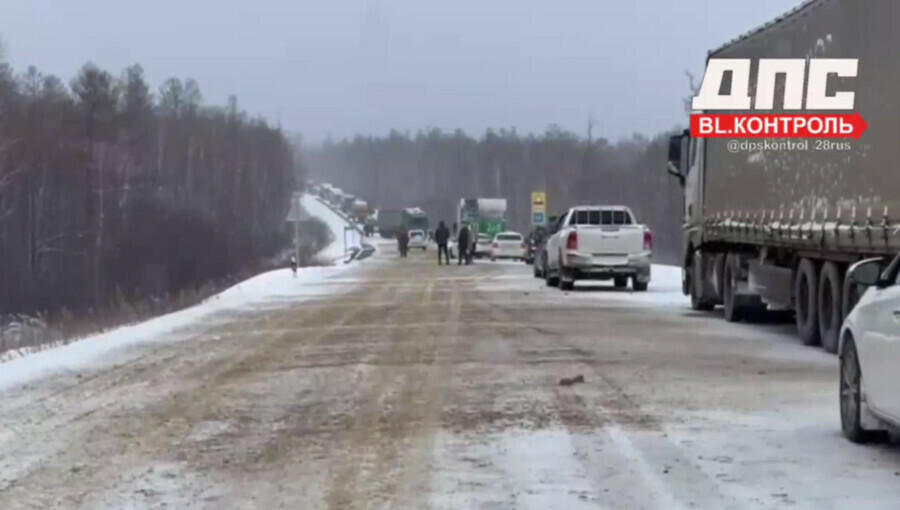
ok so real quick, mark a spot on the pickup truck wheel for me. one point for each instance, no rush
(729, 284)
(552, 281)
(829, 306)
(806, 293)
(621, 282)
(638, 286)
(565, 283)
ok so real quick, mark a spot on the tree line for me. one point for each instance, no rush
(434, 169)
(111, 193)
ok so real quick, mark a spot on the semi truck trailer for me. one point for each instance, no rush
(777, 228)
(390, 222)
(485, 215)
(347, 205)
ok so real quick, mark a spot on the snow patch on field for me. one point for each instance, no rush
(267, 289)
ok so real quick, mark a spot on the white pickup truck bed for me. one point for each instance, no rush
(599, 243)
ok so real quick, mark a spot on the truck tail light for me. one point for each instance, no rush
(572, 241)
(648, 240)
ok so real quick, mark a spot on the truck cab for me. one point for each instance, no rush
(685, 162)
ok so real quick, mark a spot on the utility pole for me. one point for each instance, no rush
(297, 227)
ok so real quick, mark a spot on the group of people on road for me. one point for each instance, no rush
(465, 247)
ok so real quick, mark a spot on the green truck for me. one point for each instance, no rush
(487, 216)
(415, 218)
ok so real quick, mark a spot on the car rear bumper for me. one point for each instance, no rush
(507, 255)
(589, 267)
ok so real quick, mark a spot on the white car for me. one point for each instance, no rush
(870, 353)
(508, 245)
(483, 246)
(418, 239)
(599, 243)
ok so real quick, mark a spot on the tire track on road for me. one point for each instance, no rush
(377, 423)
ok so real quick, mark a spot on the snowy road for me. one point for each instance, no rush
(402, 384)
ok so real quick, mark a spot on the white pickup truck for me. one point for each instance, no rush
(599, 243)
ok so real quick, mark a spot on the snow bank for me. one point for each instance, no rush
(273, 287)
(336, 224)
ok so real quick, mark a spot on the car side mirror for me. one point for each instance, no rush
(868, 273)
(673, 165)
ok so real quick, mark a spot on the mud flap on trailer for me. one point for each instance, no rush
(710, 267)
(771, 283)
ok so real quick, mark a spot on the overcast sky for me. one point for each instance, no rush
(342, 67)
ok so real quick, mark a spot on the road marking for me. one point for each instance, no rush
(664, 498)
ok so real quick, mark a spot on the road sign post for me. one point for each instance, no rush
(538, 208)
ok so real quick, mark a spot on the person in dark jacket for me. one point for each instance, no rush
(442, 237)
(464, 244)
(403, 242)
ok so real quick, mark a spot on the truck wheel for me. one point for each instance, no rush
(695, 281)
(621, 282)
(729, 286)
(829, 306)
(850, 295)
(806, 301)
(638, 286)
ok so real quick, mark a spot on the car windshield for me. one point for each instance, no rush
(509, 237)
(600, 217)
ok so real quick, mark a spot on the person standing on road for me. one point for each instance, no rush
(473, 244)
(463, 242)
(403, 242)
(442, 237)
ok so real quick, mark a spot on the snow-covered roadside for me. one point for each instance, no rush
(336, 224)
(273, 287)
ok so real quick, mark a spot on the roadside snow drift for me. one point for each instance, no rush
(267, 289)
(336, 224)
